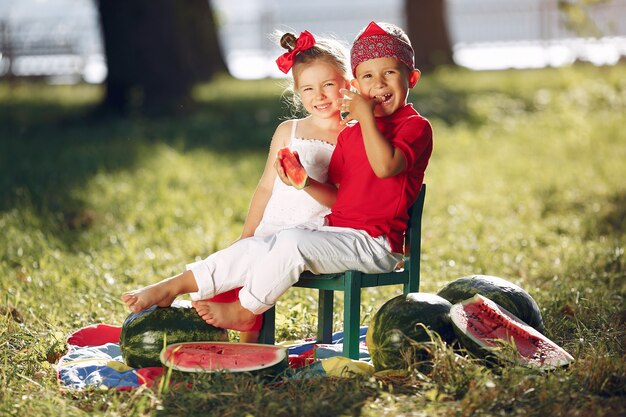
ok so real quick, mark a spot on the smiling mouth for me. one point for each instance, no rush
(322, 106)
(384, 98)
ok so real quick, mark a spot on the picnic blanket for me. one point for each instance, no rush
(94, 360)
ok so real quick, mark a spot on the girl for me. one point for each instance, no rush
(319, 70)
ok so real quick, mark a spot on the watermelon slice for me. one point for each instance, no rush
(293, 168)
(485, 329)
(503, 292)
(224, 356)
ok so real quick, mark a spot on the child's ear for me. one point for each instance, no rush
(414, 77)
(354, 83)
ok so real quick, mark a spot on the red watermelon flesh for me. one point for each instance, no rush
(483, 323)
(293, 168)
(223, 356)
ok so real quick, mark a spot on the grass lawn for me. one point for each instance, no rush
(527, 182)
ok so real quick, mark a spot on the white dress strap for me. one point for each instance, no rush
(293, 130)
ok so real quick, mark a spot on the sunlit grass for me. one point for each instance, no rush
(526, 182)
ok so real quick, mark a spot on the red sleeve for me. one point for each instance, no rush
(413, 139)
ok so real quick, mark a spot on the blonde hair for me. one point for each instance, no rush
(329, 50)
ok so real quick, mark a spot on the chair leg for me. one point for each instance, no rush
(414, 280)
(268, 329)
(325, 316)
(411, 286)
(352, 314)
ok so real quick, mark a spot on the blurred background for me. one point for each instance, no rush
(158, 50)
(62, 40)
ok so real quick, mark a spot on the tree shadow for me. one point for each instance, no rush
(47, 150)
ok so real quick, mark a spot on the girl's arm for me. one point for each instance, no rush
(263, 190)
(323, 193)
(385, 159)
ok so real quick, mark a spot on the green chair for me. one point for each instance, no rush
(351, 282)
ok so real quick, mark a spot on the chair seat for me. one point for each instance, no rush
(336, 282)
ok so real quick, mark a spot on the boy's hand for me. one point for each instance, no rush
(356, 106)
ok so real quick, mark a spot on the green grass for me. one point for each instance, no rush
(526, 182)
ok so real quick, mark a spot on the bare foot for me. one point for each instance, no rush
(226, 315)
(146, 297)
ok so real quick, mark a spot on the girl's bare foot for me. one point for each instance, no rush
(146, 297)
(226, 315)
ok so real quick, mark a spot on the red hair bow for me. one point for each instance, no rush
(304, 42)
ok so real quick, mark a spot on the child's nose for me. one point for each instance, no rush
(379, 81)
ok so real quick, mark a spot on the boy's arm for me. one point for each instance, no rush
(385, 159)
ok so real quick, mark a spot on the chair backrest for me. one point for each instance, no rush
(413, 236)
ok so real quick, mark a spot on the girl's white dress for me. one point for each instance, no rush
(288, 207)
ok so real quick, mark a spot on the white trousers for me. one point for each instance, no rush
(267, 266)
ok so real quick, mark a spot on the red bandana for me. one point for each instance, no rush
(304, 42)
(374, 43)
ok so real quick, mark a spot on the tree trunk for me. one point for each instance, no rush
(428, 31)
(156, 51)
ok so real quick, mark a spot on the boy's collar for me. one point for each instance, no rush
(403, 111)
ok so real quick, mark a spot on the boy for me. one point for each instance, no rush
(375, 174)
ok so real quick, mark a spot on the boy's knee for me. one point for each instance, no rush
(289, 239)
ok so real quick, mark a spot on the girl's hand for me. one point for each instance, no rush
(356, 106)
(292, 168)
(281, 172)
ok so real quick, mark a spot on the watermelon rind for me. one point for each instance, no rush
(548, 355)
(405, 319)
(505, 293)
(144, 333)
(278, 363)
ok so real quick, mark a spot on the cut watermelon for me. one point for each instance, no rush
(486, 329)
(224, 356)
(293, 168)
(506, 294)
(143, 333)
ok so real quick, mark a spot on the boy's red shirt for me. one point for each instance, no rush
(364, 201)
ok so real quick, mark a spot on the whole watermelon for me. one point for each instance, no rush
(400, 319)
(142, 334)
(504, 293)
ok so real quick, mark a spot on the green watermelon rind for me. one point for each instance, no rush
(506, 294)
(278, 365)
(505, 352)
(143, 333)
(397, 323)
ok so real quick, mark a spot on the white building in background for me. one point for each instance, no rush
(61, 39)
